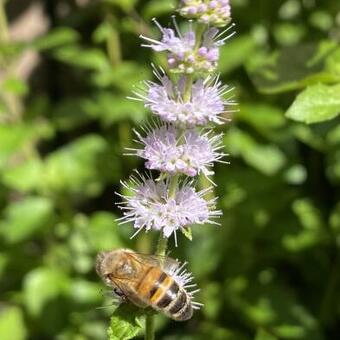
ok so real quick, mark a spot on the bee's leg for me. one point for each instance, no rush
(119, 295)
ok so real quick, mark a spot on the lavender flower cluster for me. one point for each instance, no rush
(180, 144)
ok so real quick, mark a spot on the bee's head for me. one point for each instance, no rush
(115, 264)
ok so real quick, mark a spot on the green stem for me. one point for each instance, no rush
(162, 245)
(161, 249)
(149, 327)
(187, 89)
(163, 241)
(190, 78)
(199, 34)
(173, 186)
(113, 43)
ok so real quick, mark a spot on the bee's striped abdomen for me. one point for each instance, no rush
(147, 282)
(168, 297)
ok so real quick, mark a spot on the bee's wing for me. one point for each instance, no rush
(126, 293)
(165, 262)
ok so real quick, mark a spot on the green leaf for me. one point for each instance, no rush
(103, 232)
(12, 324)
(101, 107)
(42, 285)
(156, 8)
(15, 86)
(261, 116)
(25, 176)
(91, 58)
(296, 174)
(12, 138)
(11, 50)
(85, 291)
(268, 159)
(264, 335)
(126, 323)
(321, 20)
(333, 62)
(125, 5)
(76, 167)
(333, 137)
(306, 135)
(124, 77)
(274, 73)
(24, 218)
(290, 331)
(274, 306)
(187, 232)
(309, 215)
(316, 104)
(59, 37)
(267, 120)
(103, 32)
(236, 53)
(312, 232)
(289, 34)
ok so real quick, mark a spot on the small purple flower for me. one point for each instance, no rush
(150, 207)
(183, 55)
(169, 150)
(206, 103)
(213, 12)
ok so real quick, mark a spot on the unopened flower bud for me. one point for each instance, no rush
(211, 12)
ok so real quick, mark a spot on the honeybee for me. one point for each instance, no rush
(148, 281)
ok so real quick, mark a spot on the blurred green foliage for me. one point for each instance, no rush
(271, 271)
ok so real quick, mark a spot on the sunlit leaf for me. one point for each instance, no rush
(126, 5)
(316, 104)
(313, 231)
(76, 166)
(155, 8)
(15, 86)
(125, 324)
(60, 36)
(12, 138)
(83, 291)
(288, 34)
(268, 159)
(187, 232)
(25, 176)
(12, 325)
(91, 59)
(101, 107)
(103, 232)
(41, 286)
(238, 50)
(276, 72)
(24, 218)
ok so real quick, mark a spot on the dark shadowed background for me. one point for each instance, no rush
(271, 271)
